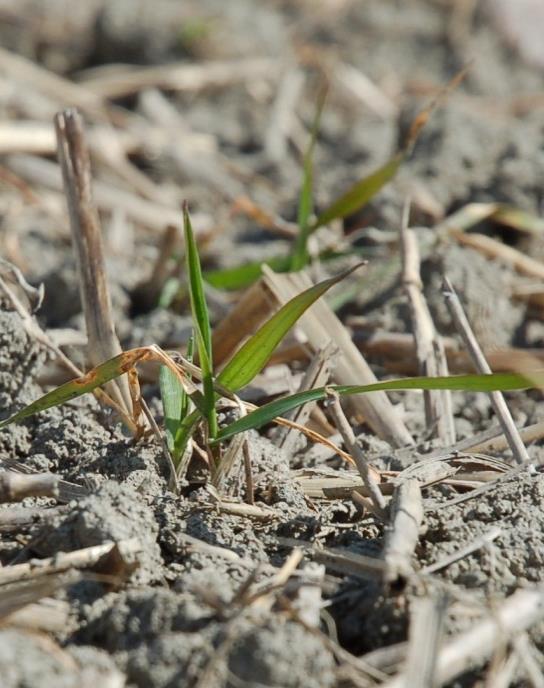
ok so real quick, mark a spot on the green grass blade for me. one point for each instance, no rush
(207, 383)
(199, 306)
(244, 275)
(300, 255)
(97, 377)
(184, 433)
(175, 400)
(360, 193)
(254, 354)
(466, 383)
(201, 320)
(173, 397)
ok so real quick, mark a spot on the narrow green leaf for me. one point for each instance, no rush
(184, 433)
(244, 275)
(474, 383)
(360, 193)
(254, 354)
(97, 377)
(199, 306)
(201, 320)
(305, 205)
(109, 370)
(172, 397)
(207, 383)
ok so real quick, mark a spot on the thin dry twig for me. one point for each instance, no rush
(341, 560)
(250, 484)
(336, 486)
(265, 595)
(89, 557)
(35, 294)
(501, 674)
(87, 240)
(497, 399)
(498, 441)
(345, 429)
(19, 518)
(406, 516)
(259, 513)
(15, 486)
(437, 403)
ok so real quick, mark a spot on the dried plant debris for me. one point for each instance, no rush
(208, 477)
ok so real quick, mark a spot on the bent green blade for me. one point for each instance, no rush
(360, 193)
(255, 353)
(465, 383)
(97, 377)
(201, 319)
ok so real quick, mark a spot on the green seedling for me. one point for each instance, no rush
(179, 392)
(127, 361)
(201, 320)
(185, 406)
(300, 255)
(351, 201)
